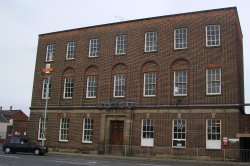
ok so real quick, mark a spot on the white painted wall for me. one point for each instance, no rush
(3, 130)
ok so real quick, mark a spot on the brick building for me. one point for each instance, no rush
(14, 122)
(171, 83)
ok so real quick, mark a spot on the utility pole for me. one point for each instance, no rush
(46, 73)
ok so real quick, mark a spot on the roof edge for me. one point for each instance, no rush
(141, 19)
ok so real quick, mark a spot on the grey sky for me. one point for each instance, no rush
(23, 20)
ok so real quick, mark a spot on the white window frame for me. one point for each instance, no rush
(41, 129)
(147, 140)
(211, 81)
(68, 90)
(144, 85)
(214, 36)
(179, 132)
(119, 85)
(94, 48)
(45, 81)
(150, 45)
(91, 87)
(71, 46)
(213, 143)
(89, 136)
(122, 42)
(181, 36)
(50, 53)
(185, 84)
(64, 126)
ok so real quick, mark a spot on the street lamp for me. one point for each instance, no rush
(46, 72)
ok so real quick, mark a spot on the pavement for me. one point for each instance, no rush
(202, 162)
(104, 156)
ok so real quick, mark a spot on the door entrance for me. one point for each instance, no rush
(116, 136)
(245, 149)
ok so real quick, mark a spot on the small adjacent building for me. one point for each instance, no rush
(13, 122)
(168, 84)
(3, 128)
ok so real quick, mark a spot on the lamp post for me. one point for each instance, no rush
(46, 72)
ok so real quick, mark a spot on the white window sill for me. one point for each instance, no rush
(87, 142)
(63, 140)
(91, 97)
(40, 139)
(67, 98)
(180, 48)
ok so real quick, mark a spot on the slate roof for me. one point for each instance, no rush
(9, 112)
(3, 119)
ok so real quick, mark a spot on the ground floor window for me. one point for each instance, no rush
(41, 130)
(213, 136)
(87, 130)
(64, 128)
(179, 133)
(147, 134)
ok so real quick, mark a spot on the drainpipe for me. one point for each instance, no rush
(131, 129)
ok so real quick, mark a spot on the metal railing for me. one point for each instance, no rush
(226, 155)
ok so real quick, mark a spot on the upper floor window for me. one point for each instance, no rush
(147, 133)
(119, 85)
(87, 136)
(121, 45)
(212, 35)
(213, 135)
(149, 84)
(64, 128)
(180, 38)
(68, 88)
(180, 83)
(44, 90)
(179, 133)
(94, 48)
(150, 41)
(50, 53)
(91, 87)
(213, 81)
(71, 50)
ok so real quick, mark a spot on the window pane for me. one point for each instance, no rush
(180, 38)
(91, 86)
(50, 53)
(71, 50)
(94, 48)
(214, 81)
(87, 130)
(68, 87)
(150, 41)
(149, 84)
(64, 126)
(213, 35)
(181, 81)
(179, 133)
(121, 44)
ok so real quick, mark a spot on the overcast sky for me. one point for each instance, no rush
(21, 21)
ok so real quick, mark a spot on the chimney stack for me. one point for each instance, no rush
(1, 108)
(10, 107)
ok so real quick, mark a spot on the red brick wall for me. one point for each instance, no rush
(20, 123)
(198, 57)
(75, 130)
(195, 130)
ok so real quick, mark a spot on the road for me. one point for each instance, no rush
(21, 159)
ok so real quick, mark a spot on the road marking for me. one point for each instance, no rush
(154, 165)
(9, 156)
(72, 162)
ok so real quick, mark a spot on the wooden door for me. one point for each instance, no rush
(116, 137)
